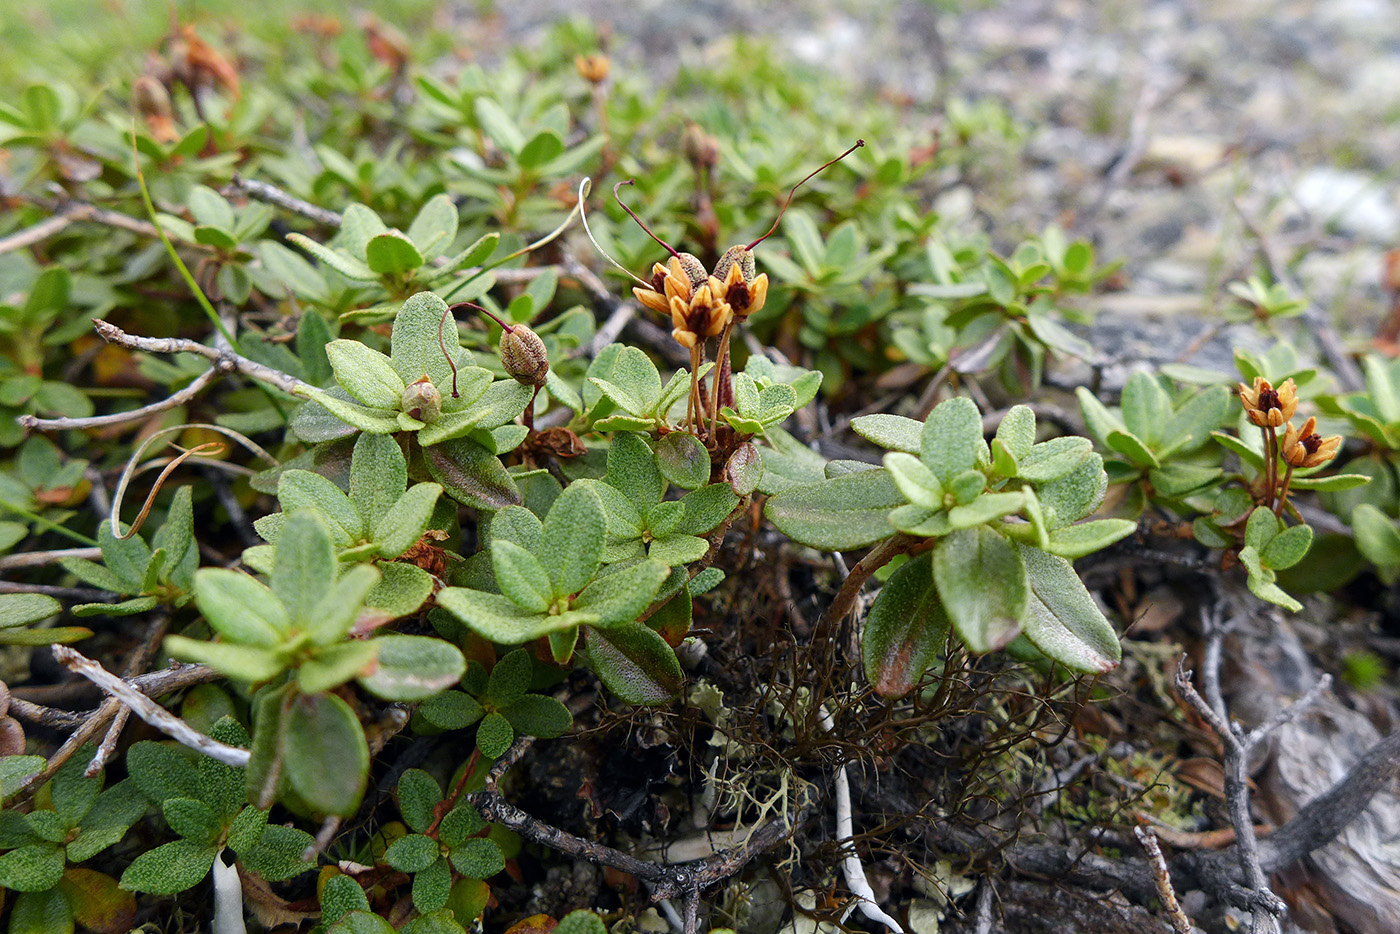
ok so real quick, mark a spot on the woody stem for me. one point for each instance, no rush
(530, 411)
(719, 374)
(1270, 465)
(1283, 494)
(692, 406)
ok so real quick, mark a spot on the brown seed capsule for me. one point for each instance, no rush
(423, 401)
(700, 148)
(523, 356)
(152, 102)
(593, 68)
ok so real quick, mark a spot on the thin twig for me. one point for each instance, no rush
(148, 710)
(179, 398)
(37, 234)
(224, 360)
(138, 660)
(1160, 874)
(271, 194)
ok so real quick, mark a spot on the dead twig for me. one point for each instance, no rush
(225, 361)
(148, 710)
(1160, 874)
(179, 398)
(271, 194)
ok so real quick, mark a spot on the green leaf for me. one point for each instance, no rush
(366, 374)
(431, 887)
(42, 912)
(246, 829)
(1190, 426)
(277, 856)
(15, 771)
(678, 550)
(1016, 431)
(461, 822)
(498, 125)
(400, 592)
(176, 538)
(339, 260)
(1097, 418)
(318, 419)
(571, 543)
(406, 521)
(545, 146)
(451, 710)
(951, 441)
(1133, 448)
(494, 735)
(580, 922)
(412, 668)
(303, 567)
(1336, 483)
(336, 664)
(21, 609)
(193, 820)
(392, 254)
(478, 858)
(510, 678)
(621, 596)
(326, 756)
(378, 477)
(635, 664)
(341, 894)
(361, 922)
(1076, 541)
(706, 508)
(31, 868)
(681, 458)
(839, 514)
(499, 619)
(162, 771)
(73, 792)
(538, 715)
(244, 662)
(418, 794)
(744, 469)
(471, 474)
(334, 616)
(1073, 496)
(1288, 547)
(126, 557)
(412, 853)
(116, 810)
(1147, 410)
(1261, 528)
(477, 253)
(302, 489)
(906, 630)
(239, 608)
(435, 227)
(981, 580)
(521, 577)
(915, 481)
(1377, 536)
(1062, 620)
(168, 869)
(415, 350)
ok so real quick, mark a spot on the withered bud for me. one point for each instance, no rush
(150, 98)
(152, 102)
(700, 148)
(593, 68)
(423, 401)
(523, 355)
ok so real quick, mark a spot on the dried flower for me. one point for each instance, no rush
(704, 315)
(744, 291)
(1304, 447)
(700, 148)
(678, 278)
(1266, 406)
(593, 68)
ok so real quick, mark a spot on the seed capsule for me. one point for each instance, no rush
(523, 355)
